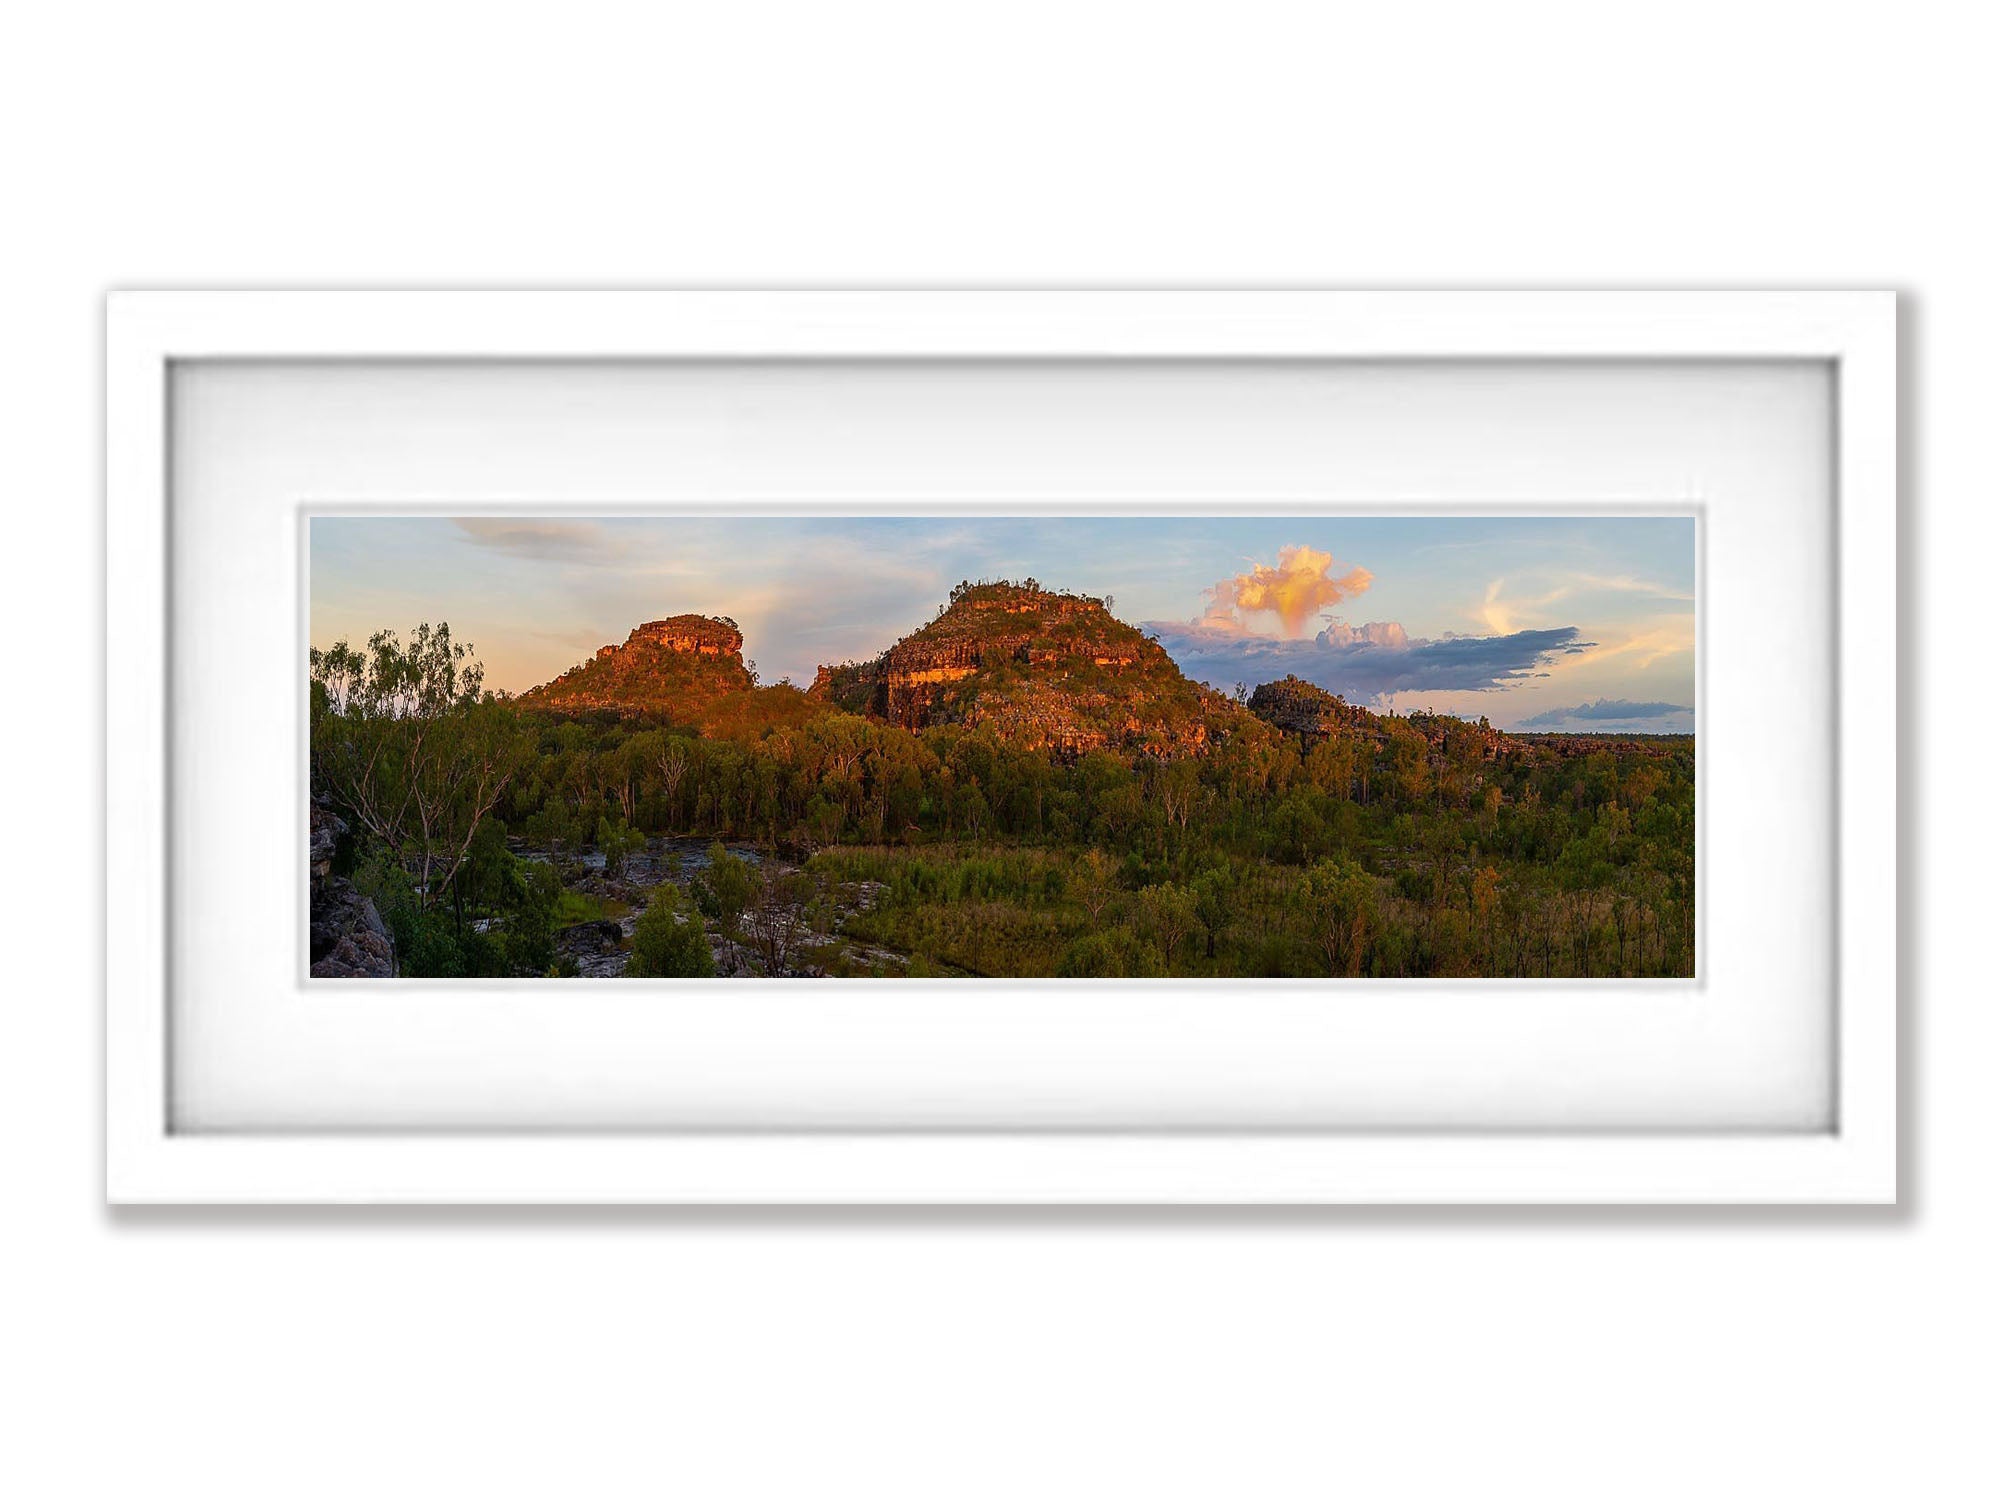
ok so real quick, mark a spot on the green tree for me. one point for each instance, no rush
(823, 819)
(529, 931)
(725, 887)
(668, 943)
(1340, 904)
(617, 840)
(1093, 881)
(1168, 913)
(406, 743)
(1214, 895)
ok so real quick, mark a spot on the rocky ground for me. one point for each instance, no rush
(348, 937)
(349, 940)
(798, 936)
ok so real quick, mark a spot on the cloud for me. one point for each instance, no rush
(1604, 710)
(1626, 583)
(1364, 663)
(1297, 589)
(1503, 616)
(1647, 646)
(548, 541)
(1376, 633)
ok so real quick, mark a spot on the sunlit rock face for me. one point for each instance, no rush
(696, 635)
(671, 667)
(1040, 669)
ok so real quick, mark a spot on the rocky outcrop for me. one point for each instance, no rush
(693, 635)
(1295, 706)
(671, 668)
(1308, 710)
(348, 937)
(325, 830)
(1041, 669)
(1445, 731)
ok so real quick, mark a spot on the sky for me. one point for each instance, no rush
(1540, 623)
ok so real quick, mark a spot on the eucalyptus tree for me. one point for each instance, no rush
(1341, 909)
(406, 741)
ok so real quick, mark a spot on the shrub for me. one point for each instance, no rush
(667, 944)
(1112, 954)
(724, 888)
(616, 839)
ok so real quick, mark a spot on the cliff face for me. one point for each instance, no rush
(694, 635)
(1042, 670)
(670, 667)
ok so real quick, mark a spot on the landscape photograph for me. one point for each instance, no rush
(1001, 747)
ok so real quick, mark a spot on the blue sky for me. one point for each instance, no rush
(1570, 622)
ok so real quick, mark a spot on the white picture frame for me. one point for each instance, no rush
(1851, 1160)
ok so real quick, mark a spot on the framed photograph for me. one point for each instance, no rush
(1002, 747)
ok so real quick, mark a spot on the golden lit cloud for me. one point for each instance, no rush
(1296, 590)
(1649, 643)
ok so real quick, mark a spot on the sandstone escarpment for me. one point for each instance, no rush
(671, 667)
(696, 635)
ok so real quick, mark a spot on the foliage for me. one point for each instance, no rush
(615, 840)
(668, 943)
(1340, 905)
(1361, 845)
(1167, 913)
(1117, 954)
(725, 887)
(403, 739)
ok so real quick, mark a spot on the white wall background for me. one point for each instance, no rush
(1112, 1354)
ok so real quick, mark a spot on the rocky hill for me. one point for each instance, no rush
(1308, 710)
(1295, 706)
(1042, 669)
(672, 667)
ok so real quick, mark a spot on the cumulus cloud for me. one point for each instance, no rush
(1376, 633)
(1364, 663)
(1297, 589)
(1604, 710)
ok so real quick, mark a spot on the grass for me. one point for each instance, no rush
(573, 907)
